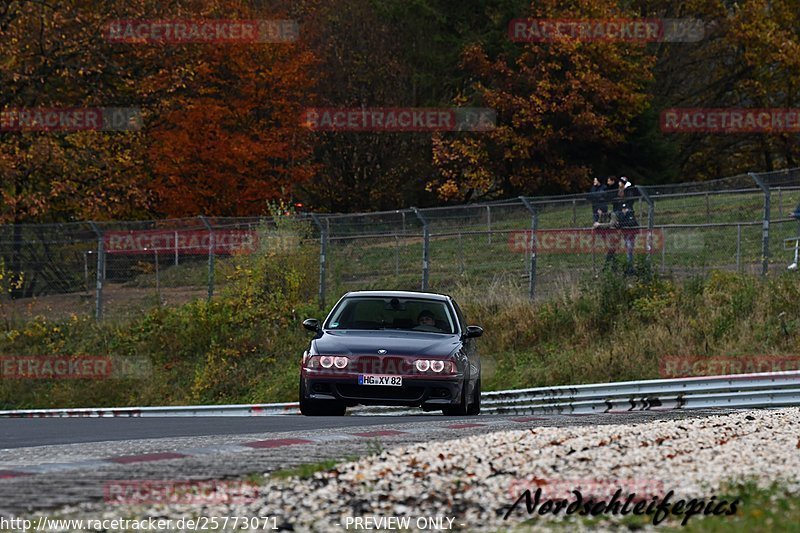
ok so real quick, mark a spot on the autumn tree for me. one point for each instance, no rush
(55, 56)
(748, 57)
(560, 104)
(226, 137)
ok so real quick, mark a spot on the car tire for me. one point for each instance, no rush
(318, 408)
(460, 409)
(475, 407)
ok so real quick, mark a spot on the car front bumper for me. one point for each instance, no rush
(416, 391)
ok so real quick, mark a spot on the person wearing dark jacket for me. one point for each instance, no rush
(597, 197)
(629, 191)
(629, 226)
(620, 194)
(611, 190)
(620, 223)
(607, 229)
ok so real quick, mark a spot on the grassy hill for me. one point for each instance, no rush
(245, 345)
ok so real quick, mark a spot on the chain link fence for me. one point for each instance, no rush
(535, 245)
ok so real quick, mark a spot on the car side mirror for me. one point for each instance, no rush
(474, 331)
(311, 324)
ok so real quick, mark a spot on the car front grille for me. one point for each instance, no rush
(373, 364)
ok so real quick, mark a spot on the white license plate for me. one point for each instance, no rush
(373, 379)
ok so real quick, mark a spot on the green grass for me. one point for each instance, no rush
(771, 509)
(307, 470)
(761, 510)
(245, 346)
(396, 261)
(389, 261)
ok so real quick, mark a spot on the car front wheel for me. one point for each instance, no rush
(460, 409)
(317, 408)
(475, 407)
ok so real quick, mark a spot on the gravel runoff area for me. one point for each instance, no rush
(470, 483)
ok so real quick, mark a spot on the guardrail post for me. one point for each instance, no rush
(651, 214)
(323, 252)
(534, 226)
(210, 257)
(426, 237)
(101, 272)
(765, 227)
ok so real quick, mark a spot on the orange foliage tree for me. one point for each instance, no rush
(559, 105)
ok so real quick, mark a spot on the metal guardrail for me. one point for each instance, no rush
(291, 408)
(770, 389)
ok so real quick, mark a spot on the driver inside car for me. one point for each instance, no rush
(426, 320)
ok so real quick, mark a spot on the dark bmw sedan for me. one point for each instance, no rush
(392, 348)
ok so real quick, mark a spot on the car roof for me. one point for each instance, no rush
(400, 294)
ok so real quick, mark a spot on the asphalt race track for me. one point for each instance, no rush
(51, 462)
(23, 432)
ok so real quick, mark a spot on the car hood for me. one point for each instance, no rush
(394, 342)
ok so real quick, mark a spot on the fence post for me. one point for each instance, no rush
(86, 270)
(574, 213)
(489, 222)
(738, 247)
(101, 272)
(396, 255)
(765, 231)
(426, 237)
(651, 214)
(460, 255)
(534, 226)
(158, 280)
(210, 257)
(323, 252)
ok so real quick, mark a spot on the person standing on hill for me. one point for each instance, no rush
(607, 230)
(611, 189)
(597, 197)
(629, 227)
(619, 195)
(629, 190)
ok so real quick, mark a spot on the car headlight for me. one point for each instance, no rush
(435, 365)
(422, 365)
(326, 361)
(340, 362)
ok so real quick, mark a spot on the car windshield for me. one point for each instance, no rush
(411, 314)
